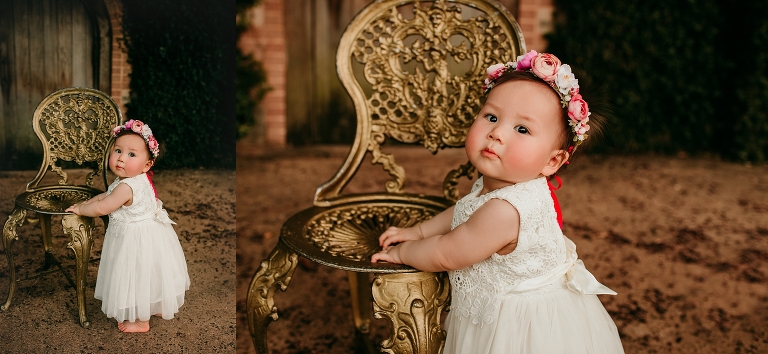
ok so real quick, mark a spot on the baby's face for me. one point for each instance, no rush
(517, 134)
(129, 156)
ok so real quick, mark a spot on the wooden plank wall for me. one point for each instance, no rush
(45, 45)
(318, 109)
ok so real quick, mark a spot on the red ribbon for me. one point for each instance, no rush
(150, 174)
(552, 190)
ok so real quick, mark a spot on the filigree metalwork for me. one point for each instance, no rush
(79, 229)
(74, 124)
(451, 180)
(353, 231)
(387, 162)
(426, 74)
(274, 273)
(16, 219)
(56, 201)
(413, 303)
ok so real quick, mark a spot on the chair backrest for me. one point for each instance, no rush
(75, 124)
(415, 73)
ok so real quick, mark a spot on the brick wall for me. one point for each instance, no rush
(120, 67)
(535, 19)
(265, 40)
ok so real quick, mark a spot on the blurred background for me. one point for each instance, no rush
(167, 63)
(682, 77)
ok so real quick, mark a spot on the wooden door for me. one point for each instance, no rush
(45, 45)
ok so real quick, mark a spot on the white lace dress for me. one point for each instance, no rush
(142, 270)
(538, 298)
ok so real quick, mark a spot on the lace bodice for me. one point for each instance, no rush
(540, 249)
(144, 205)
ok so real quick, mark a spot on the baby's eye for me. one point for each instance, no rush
(491, 118)
(118, 151)
(521, 129)
(131, 154)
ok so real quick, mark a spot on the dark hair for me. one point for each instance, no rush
(596, 119)
(128, 131)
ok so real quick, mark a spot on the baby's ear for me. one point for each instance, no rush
(149, 165)
(557, 159)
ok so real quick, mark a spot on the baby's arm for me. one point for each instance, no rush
(438, 225)
(121, 195)
(94, 199)
(493, 226)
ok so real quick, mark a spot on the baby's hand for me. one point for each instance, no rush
(390, 255)
(74, 209)
(396, 235)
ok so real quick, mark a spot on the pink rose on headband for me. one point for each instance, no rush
(137, 126)
(545, 66)
(577, 108)
(128, 124)
(116, 130)
(524, 61)
(152, 143)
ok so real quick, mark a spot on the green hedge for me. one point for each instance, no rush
(182, 78)
(681, 75)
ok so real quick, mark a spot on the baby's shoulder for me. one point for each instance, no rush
(137, 184)
(525, 197)
(496, 208)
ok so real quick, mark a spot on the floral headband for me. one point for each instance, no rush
(559, 76)
(142, 129)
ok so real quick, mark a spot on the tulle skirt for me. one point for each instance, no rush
(558, 321)
(142, 271)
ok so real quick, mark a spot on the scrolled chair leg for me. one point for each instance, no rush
(79, 229)
(45, 229)
(16, 219)
(360, 294)
(413, 303)
(273, 273)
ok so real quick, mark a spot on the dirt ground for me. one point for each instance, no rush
(684, 242)
(43, 316)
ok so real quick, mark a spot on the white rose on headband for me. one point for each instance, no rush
(145, 131)
(565, 80)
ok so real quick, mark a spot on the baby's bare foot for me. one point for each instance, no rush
(133, 327)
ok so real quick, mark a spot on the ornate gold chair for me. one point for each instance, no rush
(415, 72)
(74, 126)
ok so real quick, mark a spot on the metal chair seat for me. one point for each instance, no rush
(345, 235)
(54, 200)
